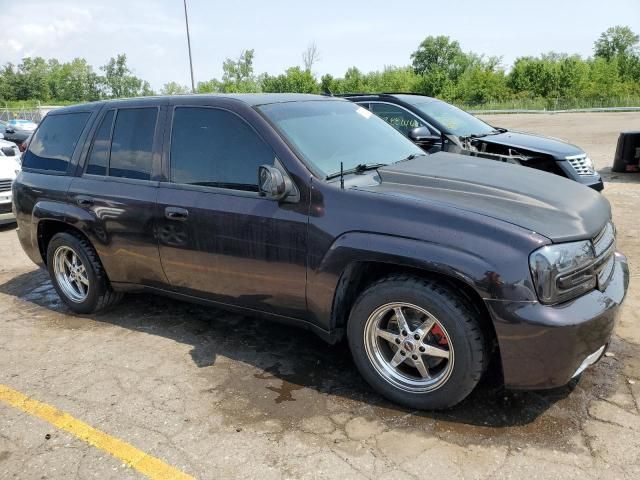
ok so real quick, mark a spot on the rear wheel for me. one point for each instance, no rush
(77, 274)
(417, 342)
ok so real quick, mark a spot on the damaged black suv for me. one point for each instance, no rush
(436, 125)
(313, 211)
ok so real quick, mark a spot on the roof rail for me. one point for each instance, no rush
(357, 94)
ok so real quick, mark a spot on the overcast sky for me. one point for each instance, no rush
(368, 34)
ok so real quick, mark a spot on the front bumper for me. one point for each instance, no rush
(592, 181)
(595, 183)
(543, 346)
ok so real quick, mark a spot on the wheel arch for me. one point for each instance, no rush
(359, 275)
(49, 218)
(358, 259)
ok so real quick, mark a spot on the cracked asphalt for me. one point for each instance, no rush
(220, 395)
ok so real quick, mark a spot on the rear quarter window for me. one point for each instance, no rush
(55, 141)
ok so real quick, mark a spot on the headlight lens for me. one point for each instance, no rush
(589, 163)
(563, 271)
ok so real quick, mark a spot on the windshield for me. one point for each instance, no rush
(453, 120)
(328, 132)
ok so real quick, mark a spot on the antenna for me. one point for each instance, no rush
(341, 176)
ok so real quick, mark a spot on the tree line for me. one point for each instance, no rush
(439, 68)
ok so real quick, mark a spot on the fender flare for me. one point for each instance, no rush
(352, 248)
(48, 210)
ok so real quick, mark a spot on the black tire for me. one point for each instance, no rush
(100, 295)
(459, 319)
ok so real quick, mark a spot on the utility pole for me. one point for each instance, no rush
(186, 21)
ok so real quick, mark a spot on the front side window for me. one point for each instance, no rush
(329, 132)
(453, 120)
(216, 148)
(132, 143)
(55, 141)
(397, 117)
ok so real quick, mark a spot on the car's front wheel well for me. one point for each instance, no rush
(358, 276)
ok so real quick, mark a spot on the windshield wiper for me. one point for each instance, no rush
(361, 167)
(495, 131)
(411, 157)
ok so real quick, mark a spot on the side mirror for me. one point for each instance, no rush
(9, 151)
(423, 135)
(9, 130)
(272, 183)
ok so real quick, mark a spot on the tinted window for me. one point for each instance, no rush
(132, 145)
(54, 142)
(329, 132)
(216, 148)
(397, 117)
(99, 157)
(453, 120)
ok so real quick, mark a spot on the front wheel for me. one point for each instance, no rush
(417, 342)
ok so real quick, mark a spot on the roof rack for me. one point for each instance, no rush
(357, 94)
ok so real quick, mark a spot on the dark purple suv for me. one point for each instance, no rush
(313, 211)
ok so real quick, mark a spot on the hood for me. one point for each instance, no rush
(533, 143)
(560, 209)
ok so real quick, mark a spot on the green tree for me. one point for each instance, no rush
(440, 54)
(174, 88)
(293, 80)
(119, 81)
(210, 86)
(392, 79)
(616, 41)
(31, 80)
(74, 81)
(238, 76)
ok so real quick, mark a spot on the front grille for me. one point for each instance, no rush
(5, 184)
(581, 165)
(5, 207)
(604, 245)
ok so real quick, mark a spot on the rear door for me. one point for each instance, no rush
(117, 186)
(218, 237)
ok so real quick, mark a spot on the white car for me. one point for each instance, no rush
(9, 168)
(25, 125)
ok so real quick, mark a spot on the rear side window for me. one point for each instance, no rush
(99, 157)
(55, 141)
(216, 148)
(125, 148)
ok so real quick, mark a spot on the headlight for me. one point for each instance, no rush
(589, 163)
(563, 271)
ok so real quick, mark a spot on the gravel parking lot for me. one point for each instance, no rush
(218, 395)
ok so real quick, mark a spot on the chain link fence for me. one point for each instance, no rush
(33, 114)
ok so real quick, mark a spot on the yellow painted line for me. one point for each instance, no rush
(152, 467)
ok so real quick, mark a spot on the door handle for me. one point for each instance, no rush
(176, 213)
(84, 201)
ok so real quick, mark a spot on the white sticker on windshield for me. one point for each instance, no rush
(364, 112)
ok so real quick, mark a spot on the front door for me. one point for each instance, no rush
(218, 237)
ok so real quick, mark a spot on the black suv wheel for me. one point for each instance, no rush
(77, 274)
(417, 342)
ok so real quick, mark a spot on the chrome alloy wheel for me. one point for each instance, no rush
(408, 347)
(71, 274)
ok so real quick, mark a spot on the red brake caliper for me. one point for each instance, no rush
(437, 332)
